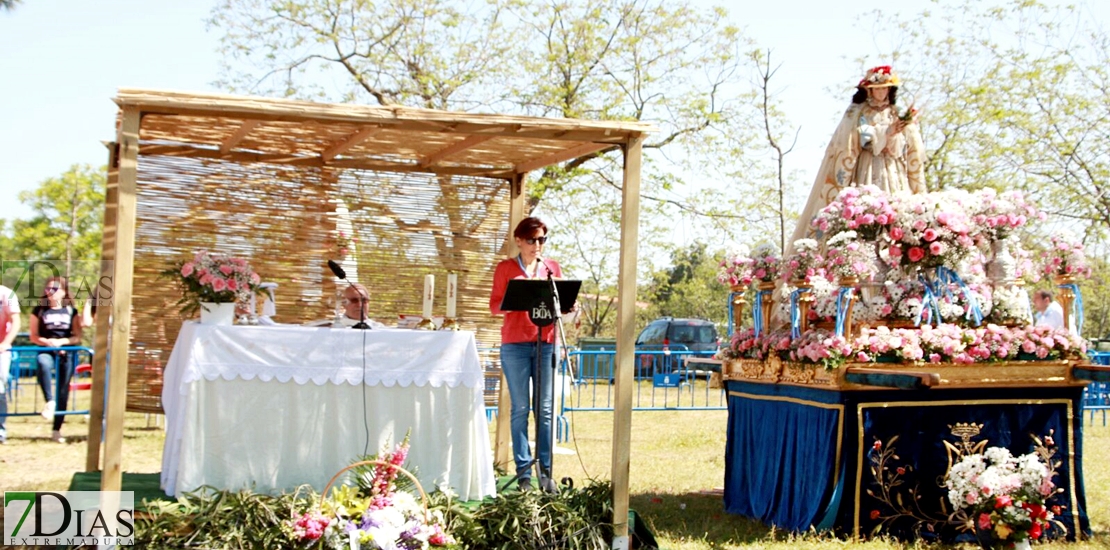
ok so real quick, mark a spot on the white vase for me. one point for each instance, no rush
(1022, 544)
(217, 313)
(1002, 266)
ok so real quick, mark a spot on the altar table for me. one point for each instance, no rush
(274, 407)
(803, 457)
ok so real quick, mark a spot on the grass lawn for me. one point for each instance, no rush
(677, 463)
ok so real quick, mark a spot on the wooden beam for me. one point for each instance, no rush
(503, 441)
(238, 136)
(112, 475)
(351, 141)
(560, 156)
(190, 151)
(100, 340)
(395, 117)
(457, 147)
(626, 336)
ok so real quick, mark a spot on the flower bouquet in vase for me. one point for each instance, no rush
(1003, 496)
(213, 284)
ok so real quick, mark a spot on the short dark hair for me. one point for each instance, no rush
(1044, 294)
(861, 95)
(528, 226)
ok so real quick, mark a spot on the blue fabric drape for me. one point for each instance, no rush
(780, 456)
(780, 460)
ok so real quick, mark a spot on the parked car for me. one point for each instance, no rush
(665, 336)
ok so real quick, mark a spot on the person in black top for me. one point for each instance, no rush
(55, 323)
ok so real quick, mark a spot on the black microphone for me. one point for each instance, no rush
(338, 271)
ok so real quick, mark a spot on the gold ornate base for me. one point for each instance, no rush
(450, 324)
(426, 324)
(952, 375)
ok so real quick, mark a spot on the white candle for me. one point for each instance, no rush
(452, 289)
(429, 290)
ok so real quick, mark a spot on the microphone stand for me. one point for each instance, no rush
(338, 271)
(547, 483)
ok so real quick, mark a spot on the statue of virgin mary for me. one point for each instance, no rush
(873, 144)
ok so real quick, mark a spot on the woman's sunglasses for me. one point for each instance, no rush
(535, 240)
(52, 289)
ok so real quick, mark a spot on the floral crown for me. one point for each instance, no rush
(880, 77)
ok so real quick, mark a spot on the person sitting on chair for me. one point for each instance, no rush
(355, 298)
(55, 323)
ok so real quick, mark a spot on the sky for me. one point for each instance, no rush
(63, 60)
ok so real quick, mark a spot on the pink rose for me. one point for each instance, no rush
(187, 269)
(936, 248)
(219, 285)
(896, 233)
(920, 225)
(226, 269)
(930, 235)
(916, 253)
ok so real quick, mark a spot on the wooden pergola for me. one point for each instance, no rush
(392, 139)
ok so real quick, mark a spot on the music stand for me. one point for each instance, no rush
(540, 298)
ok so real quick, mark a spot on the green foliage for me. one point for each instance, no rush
(579, 519)
(683, 68)
(208, 518)
(1016, 95)
(67, 221)
(688, 288)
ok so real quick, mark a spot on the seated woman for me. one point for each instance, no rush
(873, 144)
(55, 323)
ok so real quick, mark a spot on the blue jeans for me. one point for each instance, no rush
(517, 362)
(47, 360)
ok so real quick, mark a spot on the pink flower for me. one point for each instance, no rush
(984, 518)
(226, 269)
(1003, 501)
(930, 235)
(187, 269)
(936, 248)
(920, 225)
(916, 253)
(896, 233)
(219, 285)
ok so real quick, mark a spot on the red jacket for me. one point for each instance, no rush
(517, 328)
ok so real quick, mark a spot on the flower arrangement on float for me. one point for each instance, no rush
(736, 268)
(1005, 496)
(1065, 256)
(374, 515)
(804, 263)
(998, 215)
(866, 210)
(931, 230)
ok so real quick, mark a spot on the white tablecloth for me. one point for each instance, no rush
(276, 407)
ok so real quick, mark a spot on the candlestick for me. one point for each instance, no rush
(452, 290)
(429, 294)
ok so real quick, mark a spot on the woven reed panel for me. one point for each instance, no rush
(283, 220)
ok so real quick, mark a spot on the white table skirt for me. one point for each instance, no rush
(276, 407)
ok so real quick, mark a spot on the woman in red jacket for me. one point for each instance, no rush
(519, 348)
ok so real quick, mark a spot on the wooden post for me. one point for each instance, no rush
(100, 342)
(112, 474)
(626, 337)
(503, 441)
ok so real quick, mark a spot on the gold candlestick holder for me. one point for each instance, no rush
(426, 324)
(450, 323)
(738, 303)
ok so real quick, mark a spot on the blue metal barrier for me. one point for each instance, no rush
(1096, 396)
(24, 368)
(663, 382)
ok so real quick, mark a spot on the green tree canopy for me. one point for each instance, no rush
(67, 221)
